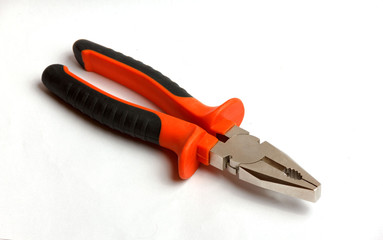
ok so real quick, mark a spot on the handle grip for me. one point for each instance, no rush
(125, 118)
(191, 143)
(158, 88)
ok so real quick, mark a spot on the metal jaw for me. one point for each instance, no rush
(263, 165)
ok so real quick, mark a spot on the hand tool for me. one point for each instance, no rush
(195, 132)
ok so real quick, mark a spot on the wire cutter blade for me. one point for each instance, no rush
(263, 165)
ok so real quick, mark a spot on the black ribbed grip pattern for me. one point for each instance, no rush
(125, 118)
(171, 86)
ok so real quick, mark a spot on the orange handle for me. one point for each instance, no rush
(158, 88)
(191, 143)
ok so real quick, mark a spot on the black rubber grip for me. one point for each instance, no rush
(125, 118)
(171, 86)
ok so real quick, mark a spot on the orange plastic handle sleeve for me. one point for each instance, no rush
(157, 88)
(191, 143)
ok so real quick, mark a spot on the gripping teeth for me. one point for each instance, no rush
(292, 173)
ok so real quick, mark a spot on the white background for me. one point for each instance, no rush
(309, 73)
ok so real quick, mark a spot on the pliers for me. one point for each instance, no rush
(195, 132)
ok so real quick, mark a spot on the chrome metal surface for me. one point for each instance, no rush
(263, 165)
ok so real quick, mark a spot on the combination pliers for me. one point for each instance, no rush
(195, 132)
